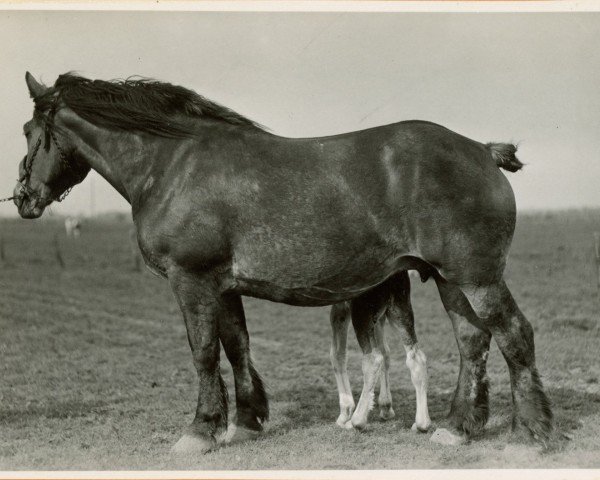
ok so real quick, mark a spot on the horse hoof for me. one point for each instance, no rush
(237, 434)
(421, 428)
(446, 437)
(342, 421)
(359, 425)
(387, 413)
(193, 445)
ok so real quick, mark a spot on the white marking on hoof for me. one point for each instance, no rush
(446, 437)
(193, 445)
(346, 409)
(358, 424)
(342, 420)
(387, 413)
(421, 428)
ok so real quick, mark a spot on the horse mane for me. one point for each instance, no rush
(137, 104)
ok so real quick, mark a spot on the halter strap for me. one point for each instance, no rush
(24, 180)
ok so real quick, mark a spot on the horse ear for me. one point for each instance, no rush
(35, 88)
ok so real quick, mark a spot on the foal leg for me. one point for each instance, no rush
(401, 317)
(252, 407)
(498, 311)
(340, 320)
(202, 305)
(470, 406)
(386, 412)
(366, 310)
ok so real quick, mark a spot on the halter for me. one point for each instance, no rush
(23, 181)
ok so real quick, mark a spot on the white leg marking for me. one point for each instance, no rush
(338, 356)
(386, 412)
(416, 361)
(371, 366)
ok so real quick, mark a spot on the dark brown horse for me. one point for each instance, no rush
(224, 208)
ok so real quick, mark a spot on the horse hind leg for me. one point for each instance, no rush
(499, 313)
(386, 412)
(470, 406)
(340, 321)
(401, 317)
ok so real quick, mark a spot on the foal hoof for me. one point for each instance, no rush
(421, 427)
(343, 421)
(193, 445)
(386, 413)
(358, 423)
(446, 437)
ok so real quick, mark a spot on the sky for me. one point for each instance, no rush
(529, 78)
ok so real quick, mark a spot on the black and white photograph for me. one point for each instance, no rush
(246, 237)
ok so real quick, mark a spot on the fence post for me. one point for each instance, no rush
(59, 257)
(597, 256)
(135, 254)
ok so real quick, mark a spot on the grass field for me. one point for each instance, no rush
(95, 370)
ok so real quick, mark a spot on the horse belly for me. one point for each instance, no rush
(310, 280)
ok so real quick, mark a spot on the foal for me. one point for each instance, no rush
(393, 303)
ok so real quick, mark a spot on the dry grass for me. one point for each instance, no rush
(96, 372)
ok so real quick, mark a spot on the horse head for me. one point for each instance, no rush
(50, 169)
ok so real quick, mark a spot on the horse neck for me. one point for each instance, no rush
(122, 158)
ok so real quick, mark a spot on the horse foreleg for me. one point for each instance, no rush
(202, 305)
(365, 311)
(340, 320)
(252, 407)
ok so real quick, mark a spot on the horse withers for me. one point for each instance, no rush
(224, 208)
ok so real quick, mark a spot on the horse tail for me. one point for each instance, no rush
(504, 156)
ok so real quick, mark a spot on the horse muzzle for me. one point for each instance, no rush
(28, 206)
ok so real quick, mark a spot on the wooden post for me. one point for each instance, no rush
(597, 255)
(135, 253)
(59, 257)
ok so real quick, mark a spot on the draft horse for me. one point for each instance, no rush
(224, 208)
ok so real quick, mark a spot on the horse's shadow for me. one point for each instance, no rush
(308, 406)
